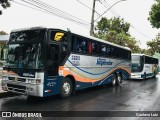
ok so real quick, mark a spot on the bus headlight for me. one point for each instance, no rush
(31, 81)
(38, 81)
(30, 89)
(4, 78)
(34, 81)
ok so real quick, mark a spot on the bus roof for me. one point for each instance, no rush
(139, 54)
(67, 29)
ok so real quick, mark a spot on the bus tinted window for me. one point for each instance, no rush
(90, 47)
(26, 36)
(103, 49)
(79, 44)
(108, 53)
(63, 52)
(84, 45)
(94, 45)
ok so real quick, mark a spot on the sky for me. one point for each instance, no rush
(135, 12)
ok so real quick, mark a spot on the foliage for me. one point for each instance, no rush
(154, 45)
(115, 30)
(5, 3)
(154, 14)
(3, 33)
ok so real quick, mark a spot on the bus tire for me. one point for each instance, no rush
(113, 83)
(119, 79)
(66, 88)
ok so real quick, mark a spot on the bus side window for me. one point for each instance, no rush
(74, 43)
(103, 49)
(98, 48)
(79, 44)
(93, 47)
(113, 52)
(63, 52)
(108, 53)
(84, 46)
(90, 47)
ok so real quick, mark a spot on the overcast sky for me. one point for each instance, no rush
(135, 12)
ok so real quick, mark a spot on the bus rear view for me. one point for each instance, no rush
(143, 66)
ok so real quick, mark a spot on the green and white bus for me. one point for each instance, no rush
(47, 61)
(144, 66)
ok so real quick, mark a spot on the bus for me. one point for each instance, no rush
(144, 66)
(44, 61)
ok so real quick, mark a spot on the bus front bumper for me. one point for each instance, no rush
(23, 88)
(136, 76)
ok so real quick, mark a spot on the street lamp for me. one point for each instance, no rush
(92, 22)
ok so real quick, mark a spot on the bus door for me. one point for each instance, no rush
(53, 60)
(52, 63)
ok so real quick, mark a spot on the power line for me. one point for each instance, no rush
(28, 6)
(55, 9)
(87, 6)
(112, 10)
(117, 15)
(43, 7)
(58, 12)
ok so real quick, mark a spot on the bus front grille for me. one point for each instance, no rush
(17, 79)
(16, 88)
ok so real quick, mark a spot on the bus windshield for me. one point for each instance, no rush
(26, 36)
(136, 64)
(24, 56)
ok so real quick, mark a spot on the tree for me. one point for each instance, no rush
(3, 33)
(5, 4)
(154, 45)
(154, 14)
(115, 30)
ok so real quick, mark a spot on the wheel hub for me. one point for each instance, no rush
(66, 88)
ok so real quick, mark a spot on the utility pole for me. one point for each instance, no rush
(92, 19)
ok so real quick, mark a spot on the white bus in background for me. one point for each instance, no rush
(143, 66)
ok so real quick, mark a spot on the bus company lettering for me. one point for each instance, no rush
(102, 61)
(75, 57)
(75, 60)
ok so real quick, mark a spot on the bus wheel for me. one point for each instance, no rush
(119, 79)
(66, 88)
(113, 83)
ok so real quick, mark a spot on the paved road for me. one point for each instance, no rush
(132, 95)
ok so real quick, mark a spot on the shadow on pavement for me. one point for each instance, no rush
(7, 94)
